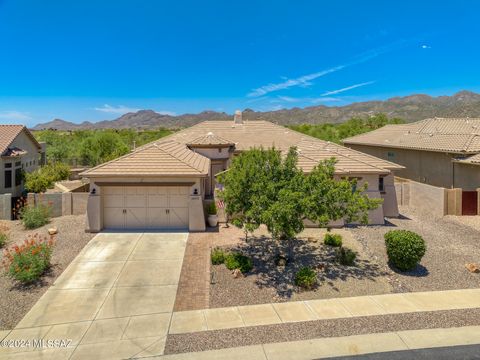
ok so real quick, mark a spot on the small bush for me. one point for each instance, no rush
(306, 278)
(3, 235)
(33, 217)
(332, 239)
(45, 177)
(26, 263)
(217, 256)
(212, 209)
(238, 261)
(405, 248)
(345, 256)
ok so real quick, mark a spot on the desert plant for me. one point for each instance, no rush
(44, 178)
(33, 217)
(332, 239)
(212, 209)
(217, 256)
(236, 260)
(3, 235)
(306, 278)
(27, 262)
(345, 256)
(405, 248)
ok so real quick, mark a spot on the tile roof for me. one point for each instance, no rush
(209, 139)
(149, 160)
(8, 133)
(456, 135)
(168, 158)
(472, 160)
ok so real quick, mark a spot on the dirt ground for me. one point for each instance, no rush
(16, 300)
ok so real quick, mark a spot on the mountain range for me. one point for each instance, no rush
(410, 108)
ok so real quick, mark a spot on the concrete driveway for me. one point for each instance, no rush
(115, 300)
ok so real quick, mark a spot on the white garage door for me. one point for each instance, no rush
(145, 207)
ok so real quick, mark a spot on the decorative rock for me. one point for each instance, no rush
(473, 268)
(312, 239)
(52, 231)
(237, 273)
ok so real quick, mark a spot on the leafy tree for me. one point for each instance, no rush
(45, 177)
(337, 132)
(263, 188)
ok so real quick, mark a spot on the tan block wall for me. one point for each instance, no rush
(454, 201)
(428, 199)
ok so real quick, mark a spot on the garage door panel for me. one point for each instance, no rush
(179, 218)
(135, 218)
(113, 201)
(157, 218)
(157, 200)
(178, 201)
(135, 201)
(113, 218)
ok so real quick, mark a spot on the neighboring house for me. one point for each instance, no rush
(19, 152)
(162, 185)
(439, 152)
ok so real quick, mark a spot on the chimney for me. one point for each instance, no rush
(237, 118)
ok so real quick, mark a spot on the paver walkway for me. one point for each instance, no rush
(299, 311)
(114, 300)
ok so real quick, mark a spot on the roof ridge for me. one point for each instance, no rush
(469, 141)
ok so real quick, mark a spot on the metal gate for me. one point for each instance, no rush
(469, 203)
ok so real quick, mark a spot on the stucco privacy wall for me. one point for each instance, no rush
(434, 168)
(95, 206)
(422, 197)
(5, 206)
(61, 204)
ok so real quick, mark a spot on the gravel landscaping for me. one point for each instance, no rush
(16, 300)
(451, 244)
(219, 339)
(270, 283)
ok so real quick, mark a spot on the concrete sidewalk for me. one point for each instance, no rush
(342, 346)
(299, 311)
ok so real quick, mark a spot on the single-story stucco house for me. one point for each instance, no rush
(19, 152)
(443, 152)
(163, 185)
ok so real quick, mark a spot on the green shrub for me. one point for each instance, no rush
(236, 260)
(306, 278)
(405, 248)
(345, 256)
(26, 263)
(3, 239)
(332, 239)
(217, 256)
(45, 177)
(33, 217)
(212, 209)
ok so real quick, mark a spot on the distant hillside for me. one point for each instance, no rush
(410, 108)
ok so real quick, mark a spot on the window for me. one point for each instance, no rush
(8, 165)
(8, 178)
(18, 176)
(381, 184)
(18, 163)
(390, 155)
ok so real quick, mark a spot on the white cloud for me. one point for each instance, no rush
(333, 92)
(426, 46)
(306, 80)
(13, 115)
(121, 109)
(324, 99)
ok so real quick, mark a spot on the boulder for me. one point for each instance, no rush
(473, 268)
(52, 231)
(237, 273)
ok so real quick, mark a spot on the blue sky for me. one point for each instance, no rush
(94, 60)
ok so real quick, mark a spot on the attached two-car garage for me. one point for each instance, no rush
(145, 207)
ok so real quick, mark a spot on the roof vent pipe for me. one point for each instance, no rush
(237, 118)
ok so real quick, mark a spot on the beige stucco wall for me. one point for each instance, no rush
(214, 153)
(428, 199)
(467, 177)
(22, 141)
(433, 168)
(95, 206)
